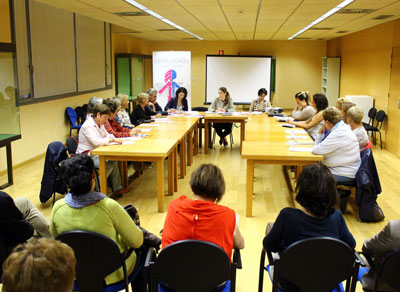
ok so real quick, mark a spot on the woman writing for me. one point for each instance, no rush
(223, 103)
(179, 103)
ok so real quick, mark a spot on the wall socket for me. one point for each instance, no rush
(398, 104)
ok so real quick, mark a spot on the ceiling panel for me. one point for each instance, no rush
(215, 19)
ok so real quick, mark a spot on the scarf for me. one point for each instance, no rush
(83, 200)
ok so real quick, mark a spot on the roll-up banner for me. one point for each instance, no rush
(171, 70)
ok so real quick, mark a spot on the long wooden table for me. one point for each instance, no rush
(161, 142)
(266, 143)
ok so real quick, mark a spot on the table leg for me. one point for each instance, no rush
(242, 125)
(190, 148)
(299, 169)
(182, 160)
(176, 168)
(171, 174)
(206, 126)
(9, 168)
(124, 173)
(160, 184)
(103, 174)
(196, 140)
(249, 187)
(199, 125)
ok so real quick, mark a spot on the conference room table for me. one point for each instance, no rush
(161, 142)
(234, 117)
(267, 142)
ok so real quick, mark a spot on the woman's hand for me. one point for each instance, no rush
(290, 121)
(115, 140)
(220, 110)
(134, 132)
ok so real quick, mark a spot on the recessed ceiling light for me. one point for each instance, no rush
(326, 15)
(156, 15)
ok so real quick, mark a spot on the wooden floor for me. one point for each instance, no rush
(271, 195)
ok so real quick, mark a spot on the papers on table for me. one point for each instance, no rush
(148, 125)
(160, 119)
(300, 142)
(283, 119)
(256, 113)
(297, 137)
(145, 130)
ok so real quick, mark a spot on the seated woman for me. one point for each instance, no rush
(260, 104)
(345, 108)
(153, 104)
(111, 125)
(179, 103)
(84, 209)
(377, 248)
(92, 135)
(202, 218)
(223, 103)
(340, 102)
(122, 116)
(316, 193)
(303, 111)
(354, 116)
(314, 124)
(339, 146)
(91, 104)
(142, 112)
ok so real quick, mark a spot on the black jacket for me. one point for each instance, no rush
(368, 187)
(173, 103)
(51, 181)
(138, 115)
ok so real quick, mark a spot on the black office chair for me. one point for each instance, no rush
(195, 266)
(72, 144)
(96, 257)
(388, 272)
(317, 264)
(81, 115)
(380, 117)
(371, 114)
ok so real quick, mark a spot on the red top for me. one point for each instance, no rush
(116, 129)
(201, 220)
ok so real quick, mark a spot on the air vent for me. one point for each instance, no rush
(189, 39)
(320, 28)
(342, 31)
(380, 17)
(135, 13)
(356, 11)
(301, 38)
(168, 29)
(320, 39)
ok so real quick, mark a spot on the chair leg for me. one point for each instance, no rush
(380, 138)
(213, 139)
(261, 276)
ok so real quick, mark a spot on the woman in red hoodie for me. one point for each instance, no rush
(202, 218)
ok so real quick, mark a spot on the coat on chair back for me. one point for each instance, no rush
(51, 181)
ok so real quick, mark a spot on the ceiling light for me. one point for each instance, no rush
(158, 16)
(326, 15)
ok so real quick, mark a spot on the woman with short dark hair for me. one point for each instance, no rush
(83, 208)
(260, 104)
(179, 102)
(202, 218)
(316, 193)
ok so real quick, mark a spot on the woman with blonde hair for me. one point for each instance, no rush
(142, 112)
(354, 118)
(122, 116)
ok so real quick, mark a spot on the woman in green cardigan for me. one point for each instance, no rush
(85, 209)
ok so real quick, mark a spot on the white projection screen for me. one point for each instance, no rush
(243, 76)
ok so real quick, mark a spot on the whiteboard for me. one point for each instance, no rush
(242, 76)
(363, 101)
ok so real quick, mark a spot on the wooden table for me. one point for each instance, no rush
(5, 141)
(266, 143)
(218, 118)
(142, 150)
